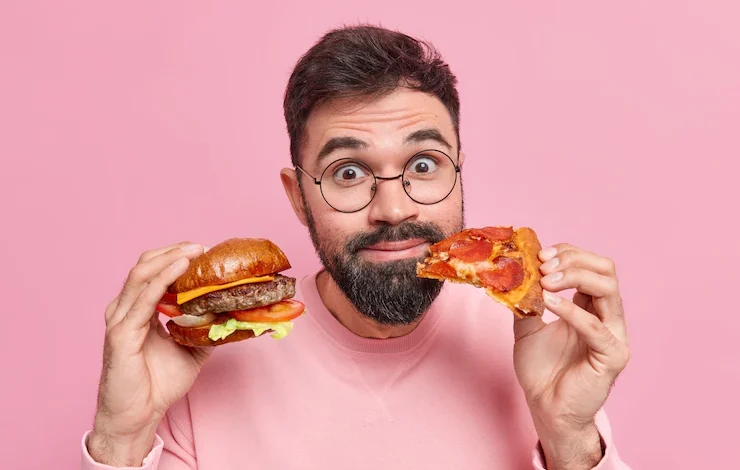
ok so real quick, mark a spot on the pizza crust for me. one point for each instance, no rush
(525, 300)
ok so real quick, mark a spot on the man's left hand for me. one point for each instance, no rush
(567, 368)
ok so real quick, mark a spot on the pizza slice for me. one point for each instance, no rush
(501, 260)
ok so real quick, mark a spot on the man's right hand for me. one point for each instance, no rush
(144, 370)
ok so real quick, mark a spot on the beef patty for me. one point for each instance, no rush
(242, 297)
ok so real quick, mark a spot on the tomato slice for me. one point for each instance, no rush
(281, 311)
(169, 298)
(168, 305)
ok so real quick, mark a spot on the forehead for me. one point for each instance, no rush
(382, 123)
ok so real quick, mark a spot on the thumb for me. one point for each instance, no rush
(526, 326)
(201, 354)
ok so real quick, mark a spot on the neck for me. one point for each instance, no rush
(343, 310)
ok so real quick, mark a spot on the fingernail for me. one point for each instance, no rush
(550, 298)
(552, 264)
(548, 253)
(554, 277)
(191, 248)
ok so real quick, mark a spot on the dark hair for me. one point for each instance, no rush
(359, 61)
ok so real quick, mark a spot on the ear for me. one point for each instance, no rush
(461, 159)
(290, 183)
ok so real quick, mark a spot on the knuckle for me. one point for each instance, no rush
(611, 341)
(172, 249)
(621, 358)
(612, 286)
(614, 347)
(567, 257)
(113, 335)
(627, 355)
(145, 256)
(137, 274)
(110, 309)
(611, 266)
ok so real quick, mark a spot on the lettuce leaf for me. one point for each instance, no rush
(221, 331)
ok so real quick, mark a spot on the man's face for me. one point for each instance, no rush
(372, 253)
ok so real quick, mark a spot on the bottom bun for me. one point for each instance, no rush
(198, 337)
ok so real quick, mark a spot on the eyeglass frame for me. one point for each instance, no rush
(404, 184)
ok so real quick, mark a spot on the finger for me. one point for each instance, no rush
(141, 274)
(585, 281)
(143, 309)
(582, 300)
(603, 290)
(111, 308)
(526, 326)
(591, 330)
(546, 254)
(201, 354)
(147, 255)
(618, 329)
(567, 256)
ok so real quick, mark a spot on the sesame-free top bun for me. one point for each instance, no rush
(232, 260)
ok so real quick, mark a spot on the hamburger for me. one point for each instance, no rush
(230, 293)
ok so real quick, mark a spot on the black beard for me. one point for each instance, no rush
(387, 292)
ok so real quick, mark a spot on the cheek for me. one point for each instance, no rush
(312, 196)
(335, 228)
(447, 215)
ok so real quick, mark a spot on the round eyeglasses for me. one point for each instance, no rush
(349, 185)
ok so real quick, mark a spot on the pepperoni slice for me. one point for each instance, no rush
(471, 251)
(507, 274)
(445, 244)
(493, 234)
(440, 268)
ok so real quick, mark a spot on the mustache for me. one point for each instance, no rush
(426, 231)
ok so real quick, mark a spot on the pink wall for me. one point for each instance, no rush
(138, 124)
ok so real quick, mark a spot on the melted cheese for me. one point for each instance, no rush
(186, 296)
(469, 271)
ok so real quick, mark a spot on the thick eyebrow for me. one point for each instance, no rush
(428, 134)
(337, 143)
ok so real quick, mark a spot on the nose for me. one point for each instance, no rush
(391, 205)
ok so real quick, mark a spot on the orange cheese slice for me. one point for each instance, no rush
(186, 296)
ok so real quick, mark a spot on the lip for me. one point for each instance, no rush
(397, 246)
(386, 251)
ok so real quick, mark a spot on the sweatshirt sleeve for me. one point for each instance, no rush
(173, 447)
(611, 460)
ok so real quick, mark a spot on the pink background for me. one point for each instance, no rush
(133, 125)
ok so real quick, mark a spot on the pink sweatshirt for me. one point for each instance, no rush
(444, 396)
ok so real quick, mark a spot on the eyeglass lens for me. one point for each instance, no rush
(349, 185)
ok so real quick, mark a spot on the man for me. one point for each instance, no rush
(386, 370)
